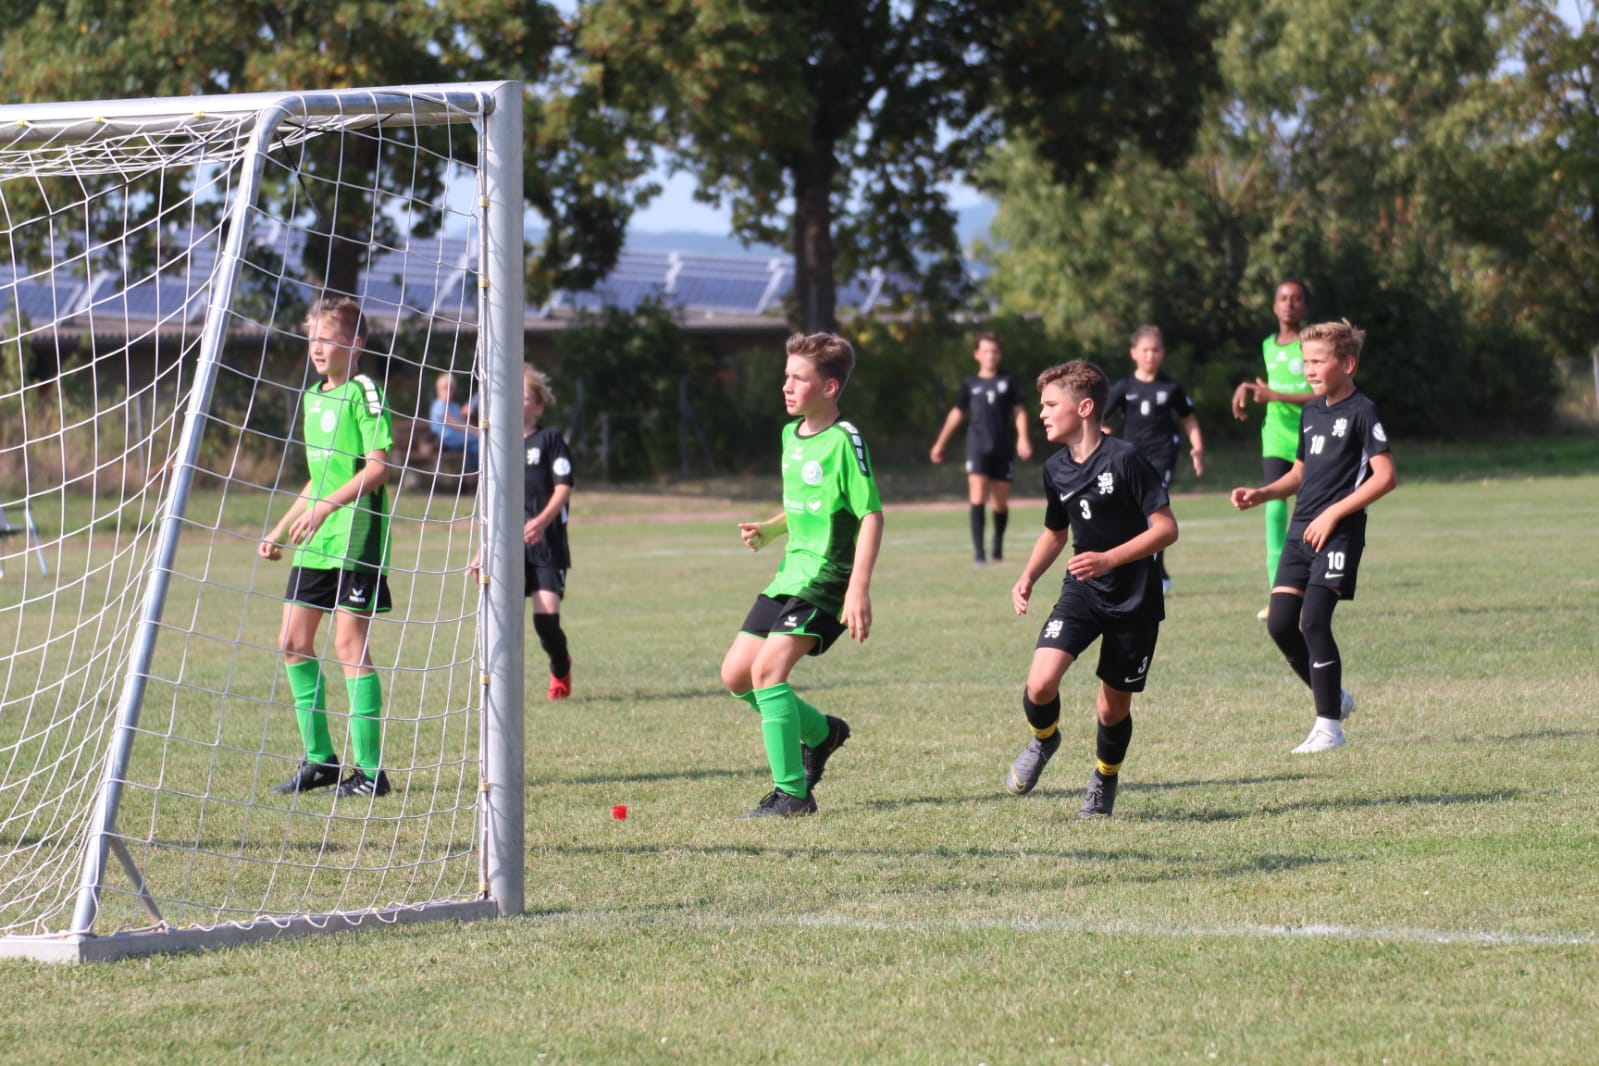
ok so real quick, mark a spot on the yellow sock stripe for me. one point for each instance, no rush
(1107, 769)
(1047, 732)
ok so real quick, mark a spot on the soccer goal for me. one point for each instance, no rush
(157, 262)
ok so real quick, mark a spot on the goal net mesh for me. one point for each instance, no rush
(118, 448)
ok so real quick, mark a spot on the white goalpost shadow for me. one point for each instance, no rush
(156, 261)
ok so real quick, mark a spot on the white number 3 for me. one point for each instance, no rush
(1088, 512)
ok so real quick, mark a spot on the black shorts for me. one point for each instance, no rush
(1335, 566)
(325, 590)
(544, 579)
(1127, 645)
(793, 617)
(996, 466)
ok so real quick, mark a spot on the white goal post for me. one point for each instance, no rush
(157, 262)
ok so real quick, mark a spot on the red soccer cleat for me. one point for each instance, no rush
(561, 687)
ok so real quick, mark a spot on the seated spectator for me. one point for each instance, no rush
(451, 422)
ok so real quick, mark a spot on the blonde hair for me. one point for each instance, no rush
(1342, 336)
(533, 378)
(1081, 379)
(829, 353)
(343, 310)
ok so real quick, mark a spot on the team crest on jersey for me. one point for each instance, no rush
(562, 466)
(1107, 483)
(1160, 396)
(1003, 385)
(1340, 427)
(811, 473)
(1296, 367)
(533, 456)
(330, 421)
(1377, 432)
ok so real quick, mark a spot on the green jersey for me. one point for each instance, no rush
(342, 425)
(827, 489)
(1285, 372)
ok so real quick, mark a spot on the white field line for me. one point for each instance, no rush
(1378, 934)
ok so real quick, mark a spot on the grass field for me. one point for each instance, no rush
(1428, 894)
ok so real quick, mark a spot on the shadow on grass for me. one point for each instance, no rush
(1439, 799)
(693, 774)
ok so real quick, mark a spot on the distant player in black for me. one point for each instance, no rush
(1111, 501)
(997, 437)
(547, 484)
(1343, 466)
(1153, 406)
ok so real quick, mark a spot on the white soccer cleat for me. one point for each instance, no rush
(1346, 704)
(1165, 586)
(1321, 739)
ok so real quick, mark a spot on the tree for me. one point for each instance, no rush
(578, 170)
(839, 122)
(1378, 150)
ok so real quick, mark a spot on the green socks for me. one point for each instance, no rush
(786, 720)
(366, 720)
(310, 707)
(1276, 536)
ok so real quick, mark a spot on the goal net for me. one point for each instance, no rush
(157, 262)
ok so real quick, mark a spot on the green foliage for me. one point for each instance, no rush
(833, 126)
(633, 371)
(578, 166)
(1369, 149)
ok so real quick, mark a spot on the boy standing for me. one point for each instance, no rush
(834, 523)
(340, 525)
(1153, 406)
(1283, 391)
(1115, 507)
(997, 437)
(1342, 467)
(547, 489)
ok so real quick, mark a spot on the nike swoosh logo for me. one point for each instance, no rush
(1132, 680)
(1331, 574)
(1318, 666)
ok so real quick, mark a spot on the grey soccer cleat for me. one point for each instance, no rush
(1101, 798)
(1025, 771)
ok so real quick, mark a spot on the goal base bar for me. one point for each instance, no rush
(80, 948)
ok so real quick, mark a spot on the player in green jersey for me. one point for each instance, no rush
(1284, 392)
(834, 523)
(339, 526)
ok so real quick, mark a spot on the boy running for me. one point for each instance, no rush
(1113, 503)
(340, 527)
(834, 522)
(1343, 466)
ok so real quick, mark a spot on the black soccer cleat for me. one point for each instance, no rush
(1101, 798)
(1029, 765)
(359, 784)
(310, 775)
(779, 804)
(815, 759)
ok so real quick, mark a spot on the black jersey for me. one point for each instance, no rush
(1107, 501)
(1336, 444)
(1152, 412)
(547, 462)
(989, 405)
